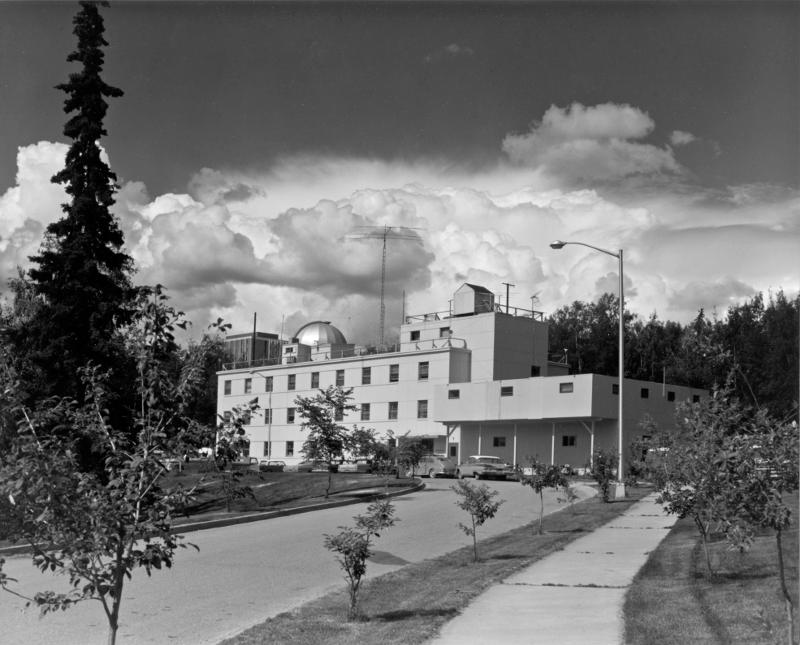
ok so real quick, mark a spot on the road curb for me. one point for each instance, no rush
(190, 527)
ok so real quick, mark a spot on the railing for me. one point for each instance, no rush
(259, 362)
(519, 312)
(449, 341)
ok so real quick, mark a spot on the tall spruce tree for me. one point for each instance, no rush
(83, 276)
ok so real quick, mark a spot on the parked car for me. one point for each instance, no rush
(485, 467)
(436, 466)
(245, 463)
(358, 466)
(271, 466)
(316, 467)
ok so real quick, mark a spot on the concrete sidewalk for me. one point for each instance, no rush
(571, 596)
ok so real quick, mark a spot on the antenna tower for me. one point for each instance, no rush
(384, 233)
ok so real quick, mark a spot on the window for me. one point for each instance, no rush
(422, 409)
(227, 387)
(444, 332)
(695, 398)
(246, 417)
(415, 335)
(268, 416)
(392, 410)
(454, 451)
(422, 371)
(568, 440)
(289, 415)
(498, 442)
(314, 380)
(670, 395)
(453, 394)
(565, 388)
(290, 448)
(394, 373)
(266, 449)
(365, 411)
(366, 375)
(507, 390)
(268, 384)
(645, 392)
(226, 416)
(536, 370)
(246, 449)
(338, 414)
(339, 378)
(292, 381)
(615, 388)
(248, 385)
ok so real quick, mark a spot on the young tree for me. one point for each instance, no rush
(539, 476)
(98, 527)
(81, 277)
(327, 439)
(478, 502)
(232, 443)
(353, 546)
(409, 454)
(603, 466)
(767, 469)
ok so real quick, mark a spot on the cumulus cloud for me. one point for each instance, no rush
(453, 50)
(283, 243)
(681, 138)
(591, 144)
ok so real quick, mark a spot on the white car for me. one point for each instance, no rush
(485, 467)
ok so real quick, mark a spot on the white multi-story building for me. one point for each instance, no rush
(471, 380)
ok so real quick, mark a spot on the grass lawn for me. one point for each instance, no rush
(672, 600)
(271, 491)
(411, 604)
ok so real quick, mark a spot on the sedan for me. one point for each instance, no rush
(271, 466)
(436, 466)
(485, 467)
(360, 466)
(315, 467)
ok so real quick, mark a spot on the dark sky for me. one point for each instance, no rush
(238, 85)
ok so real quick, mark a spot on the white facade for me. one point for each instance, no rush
(478, 350)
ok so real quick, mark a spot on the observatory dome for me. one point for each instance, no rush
(320, 332)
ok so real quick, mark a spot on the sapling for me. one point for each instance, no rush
(353, 546)
(540, 476)
(478, 502)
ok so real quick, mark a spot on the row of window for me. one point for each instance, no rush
(366, 413)
(566, 388)
(497, 442)
(423, 370)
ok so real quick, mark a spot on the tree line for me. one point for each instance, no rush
(757, 339)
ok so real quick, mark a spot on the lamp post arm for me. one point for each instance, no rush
(597, 248)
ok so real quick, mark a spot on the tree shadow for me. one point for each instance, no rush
(403, 614)
(384, 557)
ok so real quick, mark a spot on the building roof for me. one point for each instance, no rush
(476, 287)
(320, 332)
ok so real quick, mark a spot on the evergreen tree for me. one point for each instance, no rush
(81, 275)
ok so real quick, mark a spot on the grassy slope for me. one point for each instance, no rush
(673, 601)
(410, 605)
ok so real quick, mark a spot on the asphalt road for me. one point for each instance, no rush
(246, 573)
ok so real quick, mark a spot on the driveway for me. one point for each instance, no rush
(246, 573)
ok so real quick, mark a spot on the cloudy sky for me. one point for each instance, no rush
(254, 139)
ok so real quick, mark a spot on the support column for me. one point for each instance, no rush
(591, 448)
(515, 445)
(480, 437)
(553, 445)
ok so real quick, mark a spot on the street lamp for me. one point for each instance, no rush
(560, 244)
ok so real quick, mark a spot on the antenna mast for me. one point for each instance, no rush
(385, 232)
